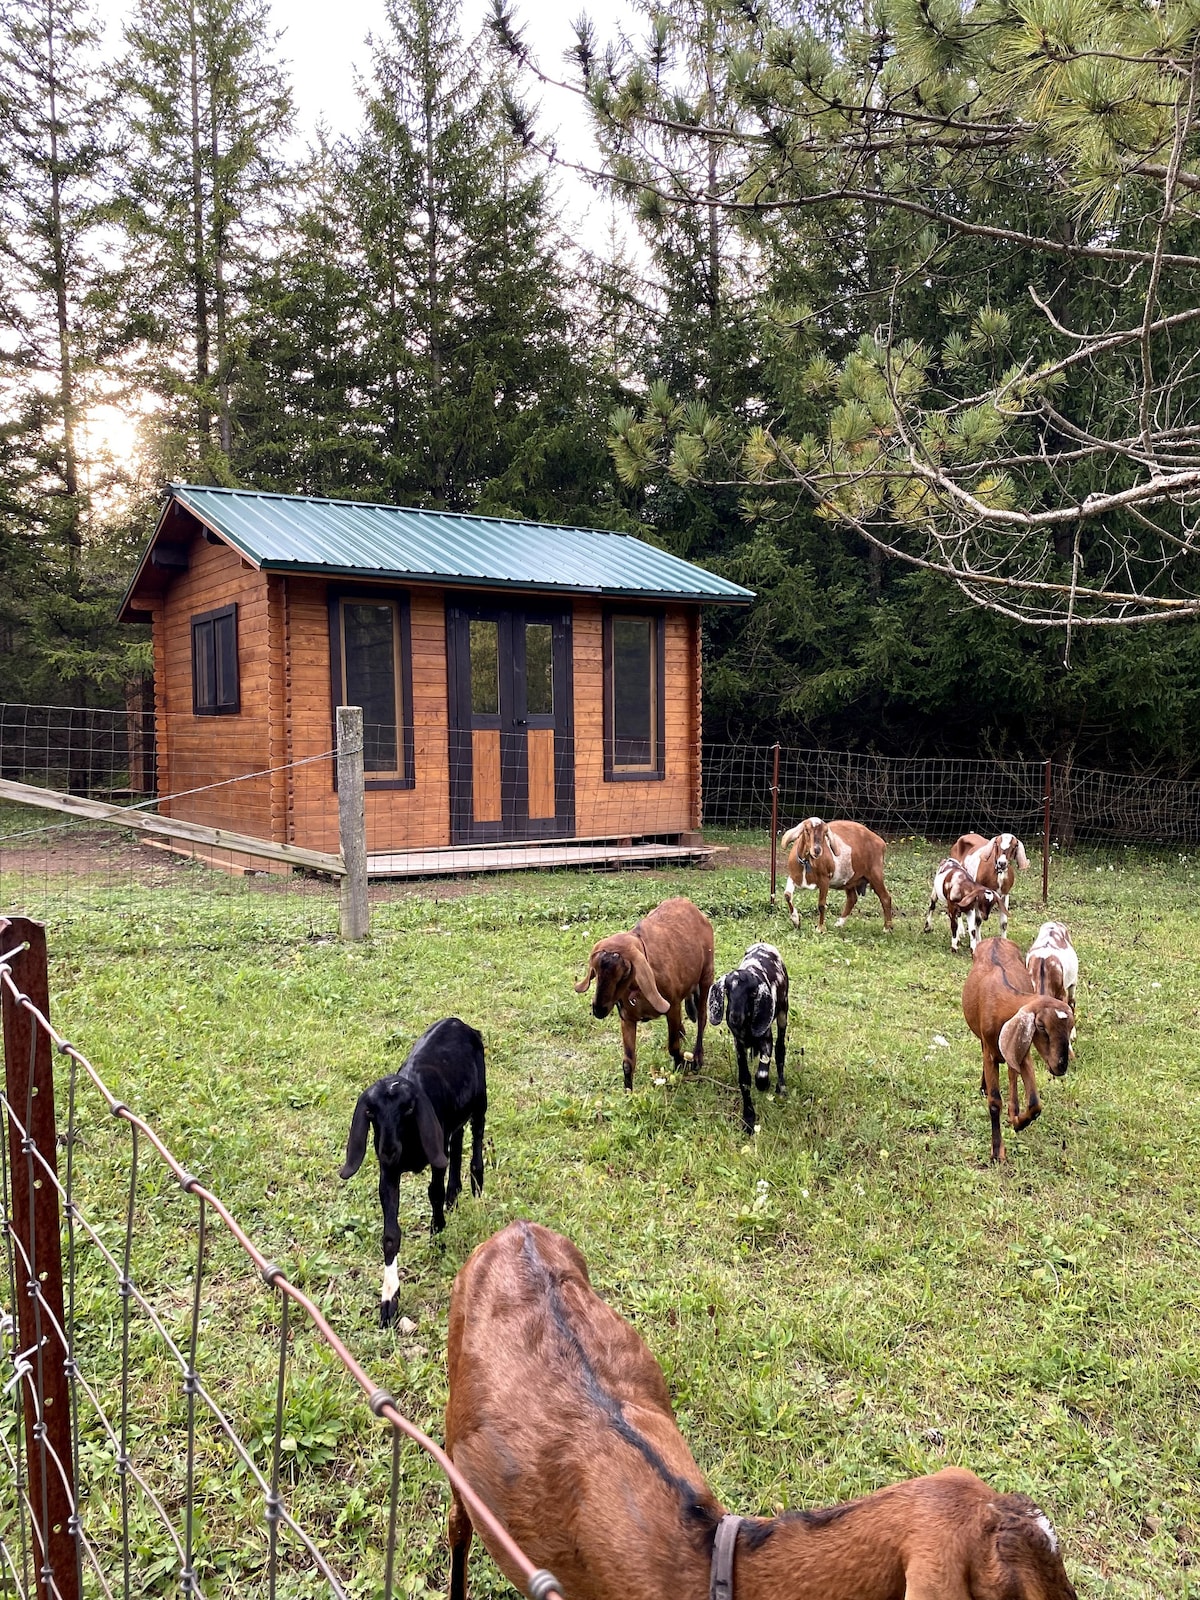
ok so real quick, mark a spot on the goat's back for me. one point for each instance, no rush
(997, 986)
(965, 844)
(559, 1416)
(679, 944)
(863, 842)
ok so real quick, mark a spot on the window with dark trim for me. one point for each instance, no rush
(634, 696)
(215, 663)
(370, 652)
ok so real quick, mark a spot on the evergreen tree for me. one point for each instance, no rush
(55, 118)
(205, 182)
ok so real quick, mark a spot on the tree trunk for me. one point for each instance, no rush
(66, 377)
(199, 275)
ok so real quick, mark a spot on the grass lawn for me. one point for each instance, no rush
(853, 1297)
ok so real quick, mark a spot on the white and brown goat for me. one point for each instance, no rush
(992, 863)
(835, 855)
(1052, 962)
(559, 1417)
(960, 897)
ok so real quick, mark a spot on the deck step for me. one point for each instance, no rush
(518, 857)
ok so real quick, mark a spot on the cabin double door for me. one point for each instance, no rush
(512, 763)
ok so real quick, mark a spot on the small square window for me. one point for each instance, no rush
(215, 690)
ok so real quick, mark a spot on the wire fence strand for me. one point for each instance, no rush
(146, 1479)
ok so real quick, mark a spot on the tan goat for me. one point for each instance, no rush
(658, 968)
(1008, 1018)
(835, 855)
(559, 1417)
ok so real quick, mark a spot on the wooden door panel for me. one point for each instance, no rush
(485, 774)
(541, 773)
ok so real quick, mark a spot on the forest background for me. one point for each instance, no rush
(905, 345)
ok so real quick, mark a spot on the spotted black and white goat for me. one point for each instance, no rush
(753, 999)
(417, 1116)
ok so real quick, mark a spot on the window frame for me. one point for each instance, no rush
(202, 708)
(405, 777)
(656, 770)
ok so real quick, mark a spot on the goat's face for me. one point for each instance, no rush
(614, 975)
(1009, 848)
(750, 1011)
(1053, 1035)
(1018, 1556)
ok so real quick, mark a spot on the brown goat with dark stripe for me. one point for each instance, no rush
(559, 1417)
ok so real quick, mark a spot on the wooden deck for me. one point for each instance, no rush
(518, 857)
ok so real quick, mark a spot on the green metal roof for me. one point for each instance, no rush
(296, 533)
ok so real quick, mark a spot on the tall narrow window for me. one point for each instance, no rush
(215, 663)
(633, 697)
(369, 640)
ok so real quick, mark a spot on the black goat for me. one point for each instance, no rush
(417, 1116)
(753, 998)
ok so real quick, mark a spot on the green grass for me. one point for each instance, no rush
(853, 1297)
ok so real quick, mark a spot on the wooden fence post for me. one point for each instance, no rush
(774, 819)
(352, 822)
(44, 1395)
(1046, 839)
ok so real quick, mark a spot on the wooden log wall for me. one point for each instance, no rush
(196, 751)
(397, 819)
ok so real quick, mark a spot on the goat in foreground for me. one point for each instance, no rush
(559, 1416)
(753, 999)
(955, 890)
(835, 855)
(993, 863)
(1008, 1017)
(1052, 962)
(417, 1116)
(659, 967)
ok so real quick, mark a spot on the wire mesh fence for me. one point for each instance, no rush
(440, 802)
(125, 1466)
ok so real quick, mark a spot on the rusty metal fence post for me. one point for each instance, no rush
(774, 818)
(34, 1224)
(1046, 838)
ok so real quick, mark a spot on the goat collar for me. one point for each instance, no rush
(720, 1583)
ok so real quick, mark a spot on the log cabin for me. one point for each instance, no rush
(519, 682)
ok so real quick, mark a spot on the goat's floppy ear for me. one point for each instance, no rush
(716, 1002)
(1022, 858)
(356, 1145)
(433, 1138)
(1017, 1035)
(644, 979)
(586, 984)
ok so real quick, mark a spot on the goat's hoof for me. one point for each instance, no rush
(387, 1311)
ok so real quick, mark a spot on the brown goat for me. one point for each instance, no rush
(993, 863)
(559, 1417)
(1007, 1017)
(662, 965)
(835, 855)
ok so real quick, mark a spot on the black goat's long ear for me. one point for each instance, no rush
(716, 1002)
(356, 1145)
(433, 1138)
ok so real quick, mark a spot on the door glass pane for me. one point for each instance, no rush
(369, 640)
(633, 691)
(485, 667)
(539, 669)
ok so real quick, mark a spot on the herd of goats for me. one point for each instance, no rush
(558, 1413)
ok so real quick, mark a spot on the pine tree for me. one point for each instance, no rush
(205, 181)
(55, 121)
